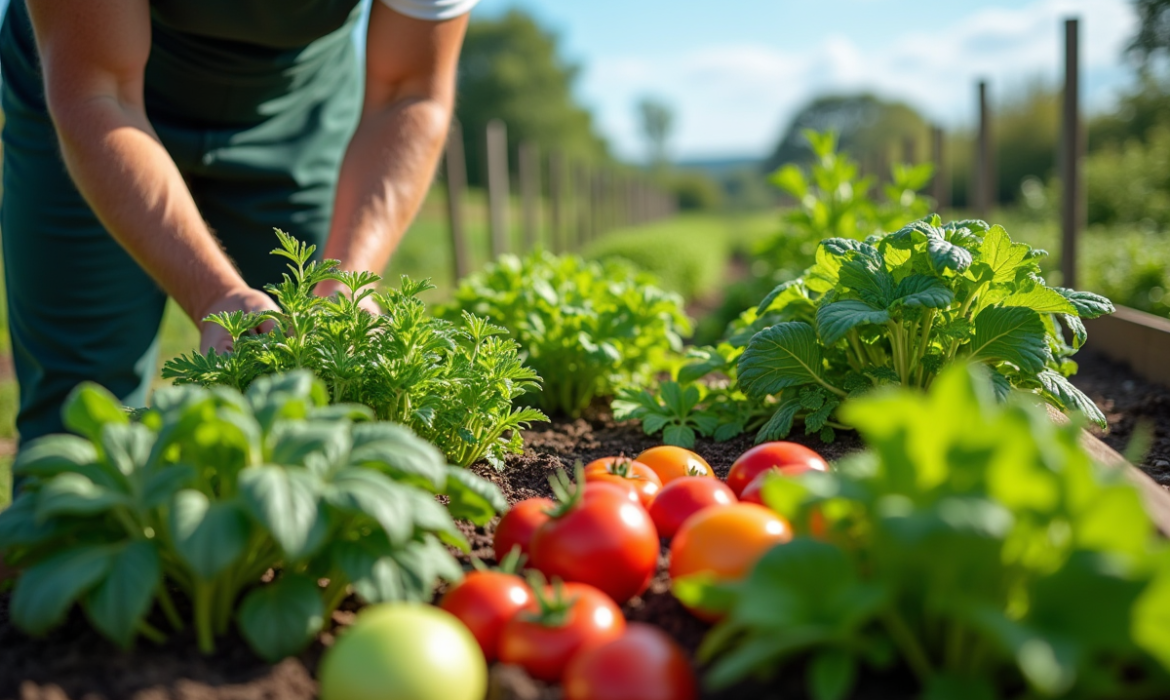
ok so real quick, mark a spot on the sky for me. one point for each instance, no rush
(736, 71)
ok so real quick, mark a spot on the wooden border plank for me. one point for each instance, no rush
(1136, 338)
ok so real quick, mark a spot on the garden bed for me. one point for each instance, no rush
(74, 662)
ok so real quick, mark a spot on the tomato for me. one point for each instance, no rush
(598, 537)
(683, 497)
(404, 651)
(670, 462)
(518, 524)
(751, 492)
(726, 542)
(625, 472)
(786, 457)
(575, 617)
(485, 601)
(642, 664)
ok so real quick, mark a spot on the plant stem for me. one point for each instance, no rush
(151, 632)
(202, 604)
(168, 607)
(904, 639)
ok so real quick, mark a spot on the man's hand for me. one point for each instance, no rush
(212, 335)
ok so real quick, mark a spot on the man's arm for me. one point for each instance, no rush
(93, 55)
(410, 90)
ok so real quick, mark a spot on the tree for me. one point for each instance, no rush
(1153, 35)
(511, 69)
(657, 119)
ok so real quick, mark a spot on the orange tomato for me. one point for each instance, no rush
(725, 542)
(625, 472)
(670, 462)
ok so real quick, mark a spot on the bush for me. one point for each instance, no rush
(695, 191)
(1129, 183)
(688, 255)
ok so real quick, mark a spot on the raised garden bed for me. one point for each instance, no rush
(74, 662)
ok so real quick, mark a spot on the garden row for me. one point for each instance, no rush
(330, 458)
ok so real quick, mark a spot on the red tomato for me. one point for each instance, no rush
(642, 664)
(518, 524)
(725, 542)
(485, 601)
(600, 538)
(685, 496)
(670, 462)
(751, 492)
(625, 472)
(786, 457)
(543, 642)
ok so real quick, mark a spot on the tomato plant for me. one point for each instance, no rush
(408, 651)
(625, 472)
(786, 457)
(569, 617)
(517, 526)
(670, 462)
(642, 664)
(485, 600)
(685, 496)
(598, 537)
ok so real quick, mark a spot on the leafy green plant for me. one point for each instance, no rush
(210, 489)
(588, 328)
(452, 383)
(975, 544)
(897, 308)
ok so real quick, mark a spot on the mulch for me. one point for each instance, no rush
(74, 663)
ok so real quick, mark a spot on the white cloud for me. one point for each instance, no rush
(737, 98)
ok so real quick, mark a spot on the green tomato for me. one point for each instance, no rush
(403, 651)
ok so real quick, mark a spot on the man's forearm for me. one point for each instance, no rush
(386, 173)
(131, 183)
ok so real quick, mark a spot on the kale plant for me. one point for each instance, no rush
(452, 382)
(588, 328)
(208, 491)
(975, 548)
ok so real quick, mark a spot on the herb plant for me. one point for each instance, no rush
(209, 490)
(975, 545)
(453, 383)
(588, 328)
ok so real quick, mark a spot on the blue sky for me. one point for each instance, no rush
(735, 71)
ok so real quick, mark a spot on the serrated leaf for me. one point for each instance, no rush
(1040, 298)
(945, 255)
(923, 291)
(679, 435)
(780, 424)
(280, 619)
(1069, 397)
(1001, 255)
(119, 602)
(1013, 334)
(834, 321)
(781, 356)
(654, 422)
(1087, 304)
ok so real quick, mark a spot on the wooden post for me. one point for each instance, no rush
(497, 177)
(530, 194)
(1072, 154)
(910, 150)
(942, 183)
(456, 170)
(983, 185)
(556, 193)
(581, 204)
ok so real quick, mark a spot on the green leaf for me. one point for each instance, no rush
(1070, 398)
(19, 525)
(923, 291)
(127, 447)
(208, 537)
(784, 355)
(397, 451)
(430, 516)
(1040, 298)
(679, 435)
(296, 443)
(946, 687)
(119, 602)
(945, 255)
(89, 407)
(53, 454)
(77, 495)
(834, 321)
(164, 483)
(372, 493)
(285, 501)
(46, 590)
(1012, 334)
(473, 498)
(831, 674)
(780, 424)
(1151, 614)
(280, 619)
(1087, 304)
(1001, 255)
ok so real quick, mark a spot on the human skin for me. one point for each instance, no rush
(94, 55)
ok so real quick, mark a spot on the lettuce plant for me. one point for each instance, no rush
(453, 383)
(975, 545)
(587, 328)
(208, 491)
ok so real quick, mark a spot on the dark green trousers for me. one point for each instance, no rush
(257, 131)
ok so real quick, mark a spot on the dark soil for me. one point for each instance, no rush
(74, 663)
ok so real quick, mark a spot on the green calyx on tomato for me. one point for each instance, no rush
(623, 467)
(567, 492)
(553, 606)
(512, 563)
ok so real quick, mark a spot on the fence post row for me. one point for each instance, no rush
(1070, 157)
(529, 162)
(983, 184)
(456, 171)
(942, 185)
(556, 186)
(497, 182)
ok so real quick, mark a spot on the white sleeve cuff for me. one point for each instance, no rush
(433, 10)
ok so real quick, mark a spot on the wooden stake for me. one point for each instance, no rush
(456, 170)
(1072, 204)
(497, 177)
(530, 194)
